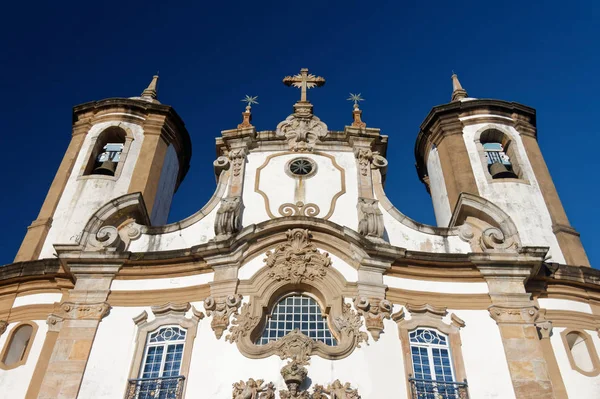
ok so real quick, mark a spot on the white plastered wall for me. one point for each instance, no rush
(523, 202)
(15, 382)
(83, 196)
(577, 385)
(437, 187)
(166, 188)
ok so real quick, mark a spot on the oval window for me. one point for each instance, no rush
(17, 346)
(579, 351)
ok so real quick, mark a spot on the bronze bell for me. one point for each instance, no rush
(500, 171)
(106, 168)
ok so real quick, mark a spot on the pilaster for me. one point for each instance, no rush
(76, 325)
(515, 314)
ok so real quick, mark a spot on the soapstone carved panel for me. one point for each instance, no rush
(374, 310)
(228, 220)
(302, 131)
(221, 310)
(370, 218)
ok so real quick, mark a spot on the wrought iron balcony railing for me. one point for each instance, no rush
(155, 388)
(430, 389)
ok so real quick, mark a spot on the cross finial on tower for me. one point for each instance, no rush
(152, 90)
(304, 81)
(458, 93)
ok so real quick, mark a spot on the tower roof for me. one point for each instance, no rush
(150, 93)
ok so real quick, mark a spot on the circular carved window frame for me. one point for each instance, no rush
(288, 168)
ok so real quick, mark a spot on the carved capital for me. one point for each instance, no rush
(544, 329)
(525, 315)
(54, 322)
(370, 218)
(364, 156)
(297, 260)
(374, 310)
(228, 220)
(84, 311)
(221, 310)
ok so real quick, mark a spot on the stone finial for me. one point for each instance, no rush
(356, 113)
(247, 115)
(151, 91)
(458, 93)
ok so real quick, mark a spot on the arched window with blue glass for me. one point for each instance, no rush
(433, 371)
(160, 373)
(297, 311)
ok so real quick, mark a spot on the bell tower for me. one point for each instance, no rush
(489, 148)
(118, 146)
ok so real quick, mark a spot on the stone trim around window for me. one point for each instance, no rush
(587, 338)
(27, 349)
(510, 147)
(167, 314)
(90, 151)
(430, 316)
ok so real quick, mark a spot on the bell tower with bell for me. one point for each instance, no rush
(489, 148)
(118, 146)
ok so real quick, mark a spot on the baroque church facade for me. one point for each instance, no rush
(299, 278)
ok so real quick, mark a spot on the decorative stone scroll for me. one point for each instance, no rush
(228, 220)
(514, 315)
(374, 310)
(299, 209)
(297, 260)
(87, 311)
(221, 310)
(237, 158)
(370, 218)
(364, 156)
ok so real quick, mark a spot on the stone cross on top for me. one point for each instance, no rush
(304, 81)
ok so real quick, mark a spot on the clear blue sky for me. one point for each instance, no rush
(398, 54)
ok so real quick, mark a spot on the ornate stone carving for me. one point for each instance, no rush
(253, 389)
(544, 328)
(86, 311)
(3, 326)
(296, 346)
(237, 158)
(374, 310)
(335, 391)
(221, 310)
(349, 324)
(228, 220)
(242, 324)
(370, 218)
(485, 238)
(524, 315)
(299, 209)
(302, 131)
(364, 156)
(297, 260)
(54, 322)
(493, 238)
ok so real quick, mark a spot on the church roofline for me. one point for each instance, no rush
(444, 120)
(176, 134)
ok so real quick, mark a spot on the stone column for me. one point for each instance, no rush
(515, 313)
(80, 316)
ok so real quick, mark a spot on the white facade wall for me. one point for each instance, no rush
(435, 286)
(83, 196)
(15, 382)
(577, 385)
(437, 188)
(166, 188)
(523, 202)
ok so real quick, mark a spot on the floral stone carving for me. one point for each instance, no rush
(302, 130)
(253, 389)
(374, 311)
(297, 260)
(221, 310)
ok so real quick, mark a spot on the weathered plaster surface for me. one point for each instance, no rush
(161, 283)
(564, 304)
(166, 188)
(524, 203)
(437, 187)
(37, 299)
(83, 196)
